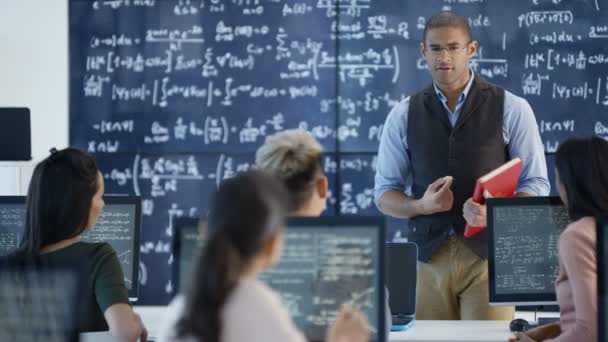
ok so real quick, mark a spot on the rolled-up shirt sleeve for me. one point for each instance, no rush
(393, 165)
(521, 134)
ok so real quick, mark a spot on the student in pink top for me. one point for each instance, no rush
(581, 173)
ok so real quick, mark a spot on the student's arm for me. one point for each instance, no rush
(577, 255)
(544, 332)
(125, 325)
(112, 298)
(350, 326)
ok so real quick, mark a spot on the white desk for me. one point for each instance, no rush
(436, 331)
(422, 331)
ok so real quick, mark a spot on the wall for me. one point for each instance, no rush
(34, 74)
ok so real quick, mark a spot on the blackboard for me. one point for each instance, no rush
(200, 83)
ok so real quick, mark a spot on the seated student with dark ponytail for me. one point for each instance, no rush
(581, 176)
(226, 301)
(64, 199)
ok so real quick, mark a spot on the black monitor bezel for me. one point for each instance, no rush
(514, 299)
(133, 292)
(602, 290)
(12, 200)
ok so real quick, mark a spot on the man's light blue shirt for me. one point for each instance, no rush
(520, 134)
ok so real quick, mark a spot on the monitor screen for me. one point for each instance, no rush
(118, 224)
(12, 220)
(326, 262)
(602, 277)
(38, 305)
(522, 249)
(187, 242)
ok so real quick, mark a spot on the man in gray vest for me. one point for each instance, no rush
(434, 146)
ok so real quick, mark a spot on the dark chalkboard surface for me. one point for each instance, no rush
(173, 96)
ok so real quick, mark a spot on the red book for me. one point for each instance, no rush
(500, 182)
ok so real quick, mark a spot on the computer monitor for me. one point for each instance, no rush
(12, 221)
(522, 249)
(187, 243)
(118, 224)
(38, 305)
(15, 134)
(602, 277)
(326, 261)
(401, 263)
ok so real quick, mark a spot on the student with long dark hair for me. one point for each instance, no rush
(65, 197)
(581, 176)
(226, 301)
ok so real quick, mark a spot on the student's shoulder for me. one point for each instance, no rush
(578, 236)
(583, 228)
(96, 252)
(96, 248)
(259, 314)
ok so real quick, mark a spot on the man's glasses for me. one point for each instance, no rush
(452, 50)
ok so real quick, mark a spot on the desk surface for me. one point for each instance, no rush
(436, 331)
(422, 331)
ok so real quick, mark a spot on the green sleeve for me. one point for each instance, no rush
(109, 282)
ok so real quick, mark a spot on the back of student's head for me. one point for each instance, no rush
(296, 158)
(582, 169)
(246, 212)
(59, 198)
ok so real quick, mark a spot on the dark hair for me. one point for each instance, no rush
(582, 167)
(245, 213)
(446, 19)
(59, 198)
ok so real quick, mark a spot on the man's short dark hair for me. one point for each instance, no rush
(446, 19)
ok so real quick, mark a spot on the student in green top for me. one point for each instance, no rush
(64, 200)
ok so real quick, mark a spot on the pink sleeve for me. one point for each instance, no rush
(578, 257)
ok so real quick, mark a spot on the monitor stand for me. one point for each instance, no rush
(538, 321)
